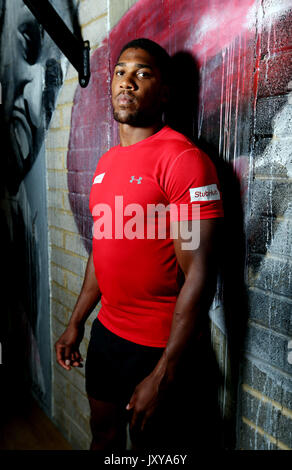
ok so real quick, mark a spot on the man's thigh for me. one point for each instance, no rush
(114, 366)
(108, 425)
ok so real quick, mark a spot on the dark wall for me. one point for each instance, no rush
(31, 74)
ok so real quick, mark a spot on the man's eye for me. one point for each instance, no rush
(143, 74)
(119, 73)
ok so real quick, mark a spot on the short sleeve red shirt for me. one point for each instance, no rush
(135, 263)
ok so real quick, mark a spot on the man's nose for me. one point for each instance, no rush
(33, 94)
(128, 83)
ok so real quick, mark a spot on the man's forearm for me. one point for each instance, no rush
(88, 298)
(191, 304)
(200, 270)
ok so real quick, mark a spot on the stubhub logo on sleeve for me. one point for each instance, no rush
(205, 193)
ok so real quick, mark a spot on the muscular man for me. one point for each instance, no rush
(155, 288)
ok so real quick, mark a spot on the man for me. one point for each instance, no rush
(155, 290)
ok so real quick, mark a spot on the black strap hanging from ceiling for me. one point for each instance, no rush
(76, 50)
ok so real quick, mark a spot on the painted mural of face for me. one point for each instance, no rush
(137, 89)
(27, 56)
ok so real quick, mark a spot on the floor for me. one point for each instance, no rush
(31, 429)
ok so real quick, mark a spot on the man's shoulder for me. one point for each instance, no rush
(110, 152)
(173, 143)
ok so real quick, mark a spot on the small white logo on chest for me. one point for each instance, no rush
(98, 178)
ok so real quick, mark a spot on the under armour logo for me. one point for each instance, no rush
(136, 179)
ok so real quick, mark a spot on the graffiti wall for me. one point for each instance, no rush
(31, 74)
(232, 76)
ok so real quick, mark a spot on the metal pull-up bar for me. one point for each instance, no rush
(76, 50)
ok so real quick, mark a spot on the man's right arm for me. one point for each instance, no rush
(67, 346)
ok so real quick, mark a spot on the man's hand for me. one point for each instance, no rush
(67, 347)
(144, 401)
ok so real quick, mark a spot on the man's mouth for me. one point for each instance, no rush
(124, 99)
(21, 133)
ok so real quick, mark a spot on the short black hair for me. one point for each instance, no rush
(160, 55)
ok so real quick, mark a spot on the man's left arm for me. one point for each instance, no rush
(200, 269)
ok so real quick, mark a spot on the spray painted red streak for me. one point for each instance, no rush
(257, 70)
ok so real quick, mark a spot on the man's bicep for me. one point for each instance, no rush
(196, 243)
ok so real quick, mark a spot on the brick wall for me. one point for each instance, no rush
(266, 398)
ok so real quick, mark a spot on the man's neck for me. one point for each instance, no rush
(130, 135)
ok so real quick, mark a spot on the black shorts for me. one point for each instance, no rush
(114, 366)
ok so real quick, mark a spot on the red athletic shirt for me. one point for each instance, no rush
(138, 273)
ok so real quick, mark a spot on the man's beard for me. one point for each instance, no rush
(136, 118)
